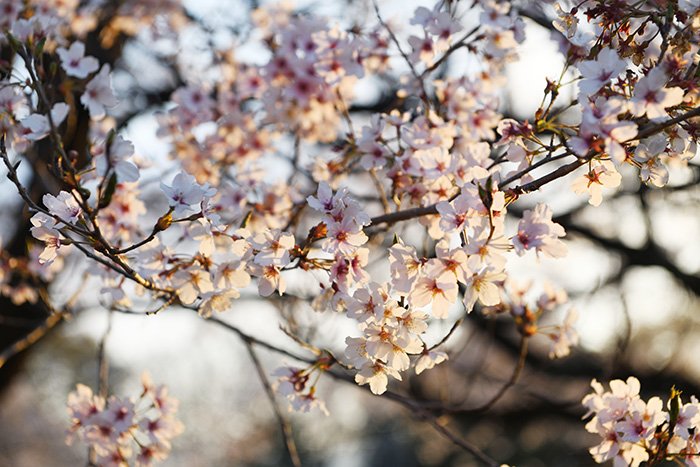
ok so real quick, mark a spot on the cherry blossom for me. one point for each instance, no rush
(652, 98)
(194, 283)
(376, 374)
(602, 174)
(98, 94)
(648, 154)
(273, 248)
(429, 360)
(269, 280)
(564, 337)
(405, 267)
(482, 286)
(633, 430)
(602, 131)
(454, 215)
(118, 153)
(599, 72)
(438, 290)
(36, 126)
(536, 230)
(64, 206)
(293, 383)
(75, 63)
(184, 193)
(118, 428)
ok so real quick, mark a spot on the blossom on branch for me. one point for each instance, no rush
(99, 95)
(75, 63)
(117, 428)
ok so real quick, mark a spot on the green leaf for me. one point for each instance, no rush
(39, 49)
(109, 192)
(246, 219)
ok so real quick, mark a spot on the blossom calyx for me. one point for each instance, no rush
(317, 232)
(164, 221)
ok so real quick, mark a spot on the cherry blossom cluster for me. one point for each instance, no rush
(528, 306)
(122, 430)
(392, 315)
(643, 74)
(310, 75)
(298, 385)
(37, 19)
(634, 430)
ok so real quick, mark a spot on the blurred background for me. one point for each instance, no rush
(632, 272)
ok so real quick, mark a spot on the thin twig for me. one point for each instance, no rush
(562, 171)
(426, 414)
(457, 45)
(412, 405)
(102, 377)
(254, 340)
(102, 361)
(511, 382)
(285, 426)
(449, 333)
(134, 246)
(380, 191)
(31, 338)
(654, 128)
(14, 178)
(532, 167)
(467, 446)
(405, 56)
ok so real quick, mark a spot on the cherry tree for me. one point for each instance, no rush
(405, 217)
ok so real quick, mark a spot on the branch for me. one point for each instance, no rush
(654, 128)
(425, 414)
(285, 427)
(412, 405)
(254, 340)
(405, 56)
(31, 338)
(550, 177)
(650, 255)
(467, 446)
(534, 185)
(457, 45)
(411, 213)
(511, 382)
(449, 333)
(405, 401)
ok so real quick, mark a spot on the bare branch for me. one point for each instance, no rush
(31, 338)
(285, 426)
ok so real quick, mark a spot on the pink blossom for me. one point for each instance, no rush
(45, 229)
(599, 72)
(436, 288)
(405, 267)
(344, 237)
(429, 360)
(36, 126)
(652, 98)
(483, 287)
(376, 374)
(602, 174)
(64, 206)
(75, 63)
(537, 230)
(98, 94)
(185, 192)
